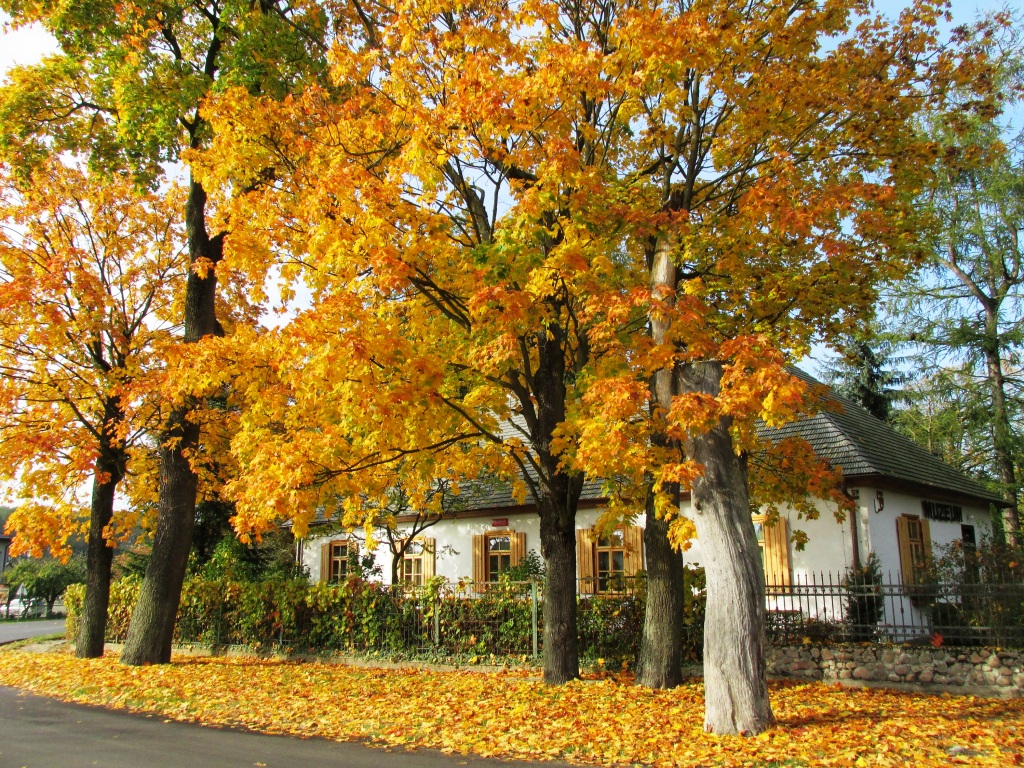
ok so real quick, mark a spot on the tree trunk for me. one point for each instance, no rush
(1002, 434)
(151, 631)
(661, 646)
(660, 661)
(735, 686)
(92, 629)
(558, 547)
(557, 495)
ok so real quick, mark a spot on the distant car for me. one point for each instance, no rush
(22, 608)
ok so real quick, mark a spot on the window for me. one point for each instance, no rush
(915, 542)
(499, 556)
(607, 561)
(970, 542)
(611, 560)
(412, 566)
(418, 562)
(774, 542)
(335, 559)
(495, 552)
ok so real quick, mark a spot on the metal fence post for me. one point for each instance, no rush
(533, 613)
(437, 621)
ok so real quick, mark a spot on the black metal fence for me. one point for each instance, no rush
(505, 619)
(825, 608)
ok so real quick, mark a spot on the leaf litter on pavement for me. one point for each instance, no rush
(604, 721)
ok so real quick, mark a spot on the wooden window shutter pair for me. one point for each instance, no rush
(586, 551)
(517, 551)
(776, 553)
(325, 555)
(910, 565)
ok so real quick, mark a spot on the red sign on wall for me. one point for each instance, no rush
(501, 522)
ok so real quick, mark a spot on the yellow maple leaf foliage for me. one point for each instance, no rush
(509, 714)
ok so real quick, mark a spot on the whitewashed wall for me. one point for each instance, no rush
(829, 547)
(883, 524)
(453, 542)
(829, 550)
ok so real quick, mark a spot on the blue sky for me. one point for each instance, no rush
(25, 46)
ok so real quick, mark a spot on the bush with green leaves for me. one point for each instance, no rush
(361, 616)
(981, 593)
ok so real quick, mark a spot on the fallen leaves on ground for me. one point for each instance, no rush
(511, 715)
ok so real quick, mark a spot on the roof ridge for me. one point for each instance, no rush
(887, 451)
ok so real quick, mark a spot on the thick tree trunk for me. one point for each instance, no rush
(92, 629)
(152, 629)
(735, 687)
(152, 626)
(557, 495)
(660, 661)
(661, 647)
(558, 548)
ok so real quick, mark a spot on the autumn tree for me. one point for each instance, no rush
(965, 311)
(779, 151)
(604, 226)
(126, 89)
(89, 268)
(458, 309)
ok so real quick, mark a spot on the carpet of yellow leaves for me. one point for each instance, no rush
(604, 721)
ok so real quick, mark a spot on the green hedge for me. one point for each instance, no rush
(363, 616)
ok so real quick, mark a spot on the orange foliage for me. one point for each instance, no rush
(511, 715)
(489, 177)
(88, 271)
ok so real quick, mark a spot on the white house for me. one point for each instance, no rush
(908, 502)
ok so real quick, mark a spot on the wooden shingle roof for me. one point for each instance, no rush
(867, 449)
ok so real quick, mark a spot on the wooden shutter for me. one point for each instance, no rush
(479, 558)
(633, 538)
(585, 560)
(926, 540)
(325, 561)
(517, 547)
(906, 559)
(429, 552)
(776, 553)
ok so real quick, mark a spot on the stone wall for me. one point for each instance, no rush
(949, 667)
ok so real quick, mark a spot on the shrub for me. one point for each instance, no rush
(364, 616)
(864, 603)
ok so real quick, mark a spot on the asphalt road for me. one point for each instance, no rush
(36, 732)
(23, 630)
